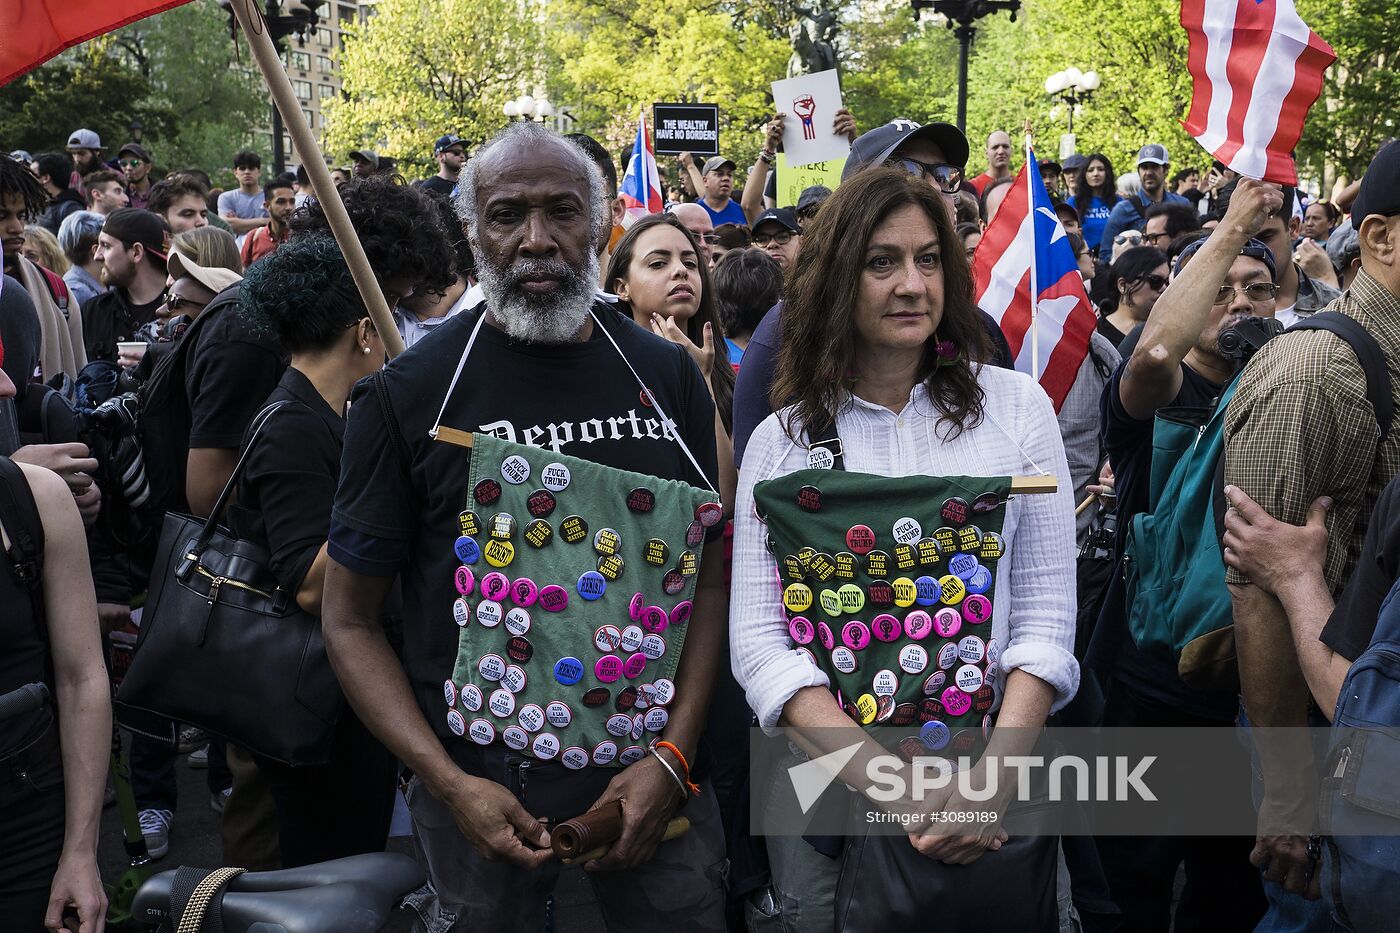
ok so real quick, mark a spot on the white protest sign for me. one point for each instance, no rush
(810, 102)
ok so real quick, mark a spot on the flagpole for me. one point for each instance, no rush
(1035, 291)
(250, 18)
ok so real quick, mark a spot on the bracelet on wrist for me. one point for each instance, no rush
(685, 794)
(685, 765)
(767, 156)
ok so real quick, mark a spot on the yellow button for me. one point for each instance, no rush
(867, 706)
(852, 598)
(831, 603)
(904, 592)
(953, 589)
(499, 553)
(798, 597)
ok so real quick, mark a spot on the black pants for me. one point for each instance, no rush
(337, 809)
(31, 825)
(153, 772)
(1222, 894)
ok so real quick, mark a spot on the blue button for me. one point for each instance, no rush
(934, 735)
(568, 671)
(926, 591)
(981, 581)
(963, 566)
(468, 551)
(591, 585)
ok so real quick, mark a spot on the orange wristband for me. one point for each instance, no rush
(670, 747)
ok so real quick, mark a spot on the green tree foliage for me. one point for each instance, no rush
(420, 68)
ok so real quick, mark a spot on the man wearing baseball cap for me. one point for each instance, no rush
(85, 147)
(134, 160)
(778, 234)
(714, 183)
(132, 248)
(1128, 214)
(451, 154)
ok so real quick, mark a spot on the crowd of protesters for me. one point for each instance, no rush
(756, 326)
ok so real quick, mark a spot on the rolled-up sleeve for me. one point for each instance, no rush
(763, 658)
(1041, 578)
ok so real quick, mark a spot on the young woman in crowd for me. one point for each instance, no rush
(748, 282)
(304, 294)
(971, 236)
(53, 758)
(883, 343)
(41, 248)
(1095, 199)
(1138, 278)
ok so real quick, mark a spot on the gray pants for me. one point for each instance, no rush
(680, 890)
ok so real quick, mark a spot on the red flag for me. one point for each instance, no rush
(34, 31)
(1256, 69)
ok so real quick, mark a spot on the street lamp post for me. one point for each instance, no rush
(527, 107)
(284, 18)
(135, 127)
(959, 16)
(1074, 87)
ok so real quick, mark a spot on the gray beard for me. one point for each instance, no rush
(528, 318)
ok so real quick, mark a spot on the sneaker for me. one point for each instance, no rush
(216, 800)
(199, 758)
(155, 829)
(191, 737)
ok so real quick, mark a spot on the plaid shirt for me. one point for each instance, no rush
(1299, 427)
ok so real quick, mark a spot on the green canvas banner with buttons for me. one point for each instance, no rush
(888, 586)
(574, 590)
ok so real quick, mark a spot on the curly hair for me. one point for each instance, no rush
(818, 353)
(18, 181)
(303, 293)
(399, 226)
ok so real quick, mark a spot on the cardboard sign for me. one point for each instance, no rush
(792, 179)
(810, 102)
(678, 128)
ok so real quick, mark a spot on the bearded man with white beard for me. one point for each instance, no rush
(544, 362)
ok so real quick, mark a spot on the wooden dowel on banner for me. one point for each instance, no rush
(250, 18)
(1084, 506)
(1032, 485)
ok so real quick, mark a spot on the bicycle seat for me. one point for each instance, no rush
(349, 895)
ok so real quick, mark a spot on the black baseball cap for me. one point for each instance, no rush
(812, 197)
(779, 215)
(1380, 186)
(1253, 248)
(875, 146)
(135, 149)
(1051, 163)
(447, 142)
(133, 225)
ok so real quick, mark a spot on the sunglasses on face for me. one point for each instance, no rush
(782, 238)
(946, 178)
(1122, 238)
(1154, 282)
(176, 302)
(129, 163)
(1258, 291)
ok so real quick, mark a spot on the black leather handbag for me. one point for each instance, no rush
(225, 648)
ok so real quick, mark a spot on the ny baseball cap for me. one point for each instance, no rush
(1153, 154)
(447, 142)
(1075, 162)
(714, 163)
(84, 139)
(778, 215)
(875, 146)
(133, 225)
(1380, 186)
(135, 149)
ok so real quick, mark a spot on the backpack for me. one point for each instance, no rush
(1178, 604)
(1360, 798)
(57, 288)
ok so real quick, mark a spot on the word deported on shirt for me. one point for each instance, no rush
(556, 434)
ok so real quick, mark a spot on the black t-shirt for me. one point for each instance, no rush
(438, 185)
(1106, 329)
(231, 370)
(111, 318)
(288, 486)
(1113, 652)
(396, 517)
(1353, 621)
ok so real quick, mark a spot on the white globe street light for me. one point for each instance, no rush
(1074, 87)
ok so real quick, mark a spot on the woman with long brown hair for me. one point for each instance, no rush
(882, 373)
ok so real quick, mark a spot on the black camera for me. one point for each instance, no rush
(1241, 341)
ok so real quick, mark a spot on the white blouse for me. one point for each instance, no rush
(1033, 617)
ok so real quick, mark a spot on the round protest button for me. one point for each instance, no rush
(468, 524)
(801, 630)
(688, 564)
(977, 609)
(574, 758)
(635, 607)
(905, 714)
(486, 492)
(541, 503)
(904, 556)
(631, 755)
(464, 580)
(665, 690)
(885, 683)
(992, 547)
(501, 703)
(918, 624)
(983, 699)
(657, 552)
(797, 597)
(904, 592)
(851, 598)
(449, 693)
(820, 458)
(499, 553)
(884, 707)
(935, 735)
(558, 714)
(934, 682)
(545, 746)
(515, 469)
(632, 668)
(654, 619)
(632, 637)
(467, 550)
(626, 699)
(855, 635)
(639, 726)
(680, 613)
(456, 722)
(955, 510)
(809, 499)
(554, 598)
(843, 659)
(830, 602)
(963, 566)
(656, 718)
(822, 567)
(987, 502)
(608, 668)
(495, 585)
(501, 527)
(517, 621)
(607, 638)
(653, 646)
(604, 753)
(972, 649)
(952, 589)
(555, 477)
(610, 567)
(881, 594)
(461, 611)
(470, 698)
(672, 582)
(596, 697)
(709, 514)
(618, 724)
(491, 667)
(695, 533)
(573, 529)
(947, 540)
(531, 717)
(867, 706)
(877, 564)
(514, 678)
(969, 538)
(591, 585)
(641, 499)
(955, 701)
(930, 708)
(928, 552)
(569, 671)
(489, 613)
(860, 539)
(538, 533)
(845, 565)
(980, 581)
(947, 622)
(607, 541)
(926, 591)
(520, 649)
(913, 659)
(482, 732)
(968, 678)
(524, 592)
(907, 530)
(825, 637)
(947, 655)
(885, 627)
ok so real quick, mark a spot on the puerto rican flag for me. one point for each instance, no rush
(34, 31)
(1027, 252)
(1256, 69)
(641, 186)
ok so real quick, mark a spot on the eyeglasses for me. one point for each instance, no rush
(947, 178)
(782, 238)
(1258, 291)
(1152, 238)
(1132, 237)
(1155, 282)
(710, 239)
(129, 163)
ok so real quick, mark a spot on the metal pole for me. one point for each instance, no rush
(964, 32)
(279, 155)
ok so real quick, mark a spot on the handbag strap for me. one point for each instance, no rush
(221, 504)
(821, 435)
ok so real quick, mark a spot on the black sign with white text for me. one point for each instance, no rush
(678, 128)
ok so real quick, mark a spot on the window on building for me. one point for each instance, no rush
(325, 90)
(303, 89)
(299, 60)
(325, 37)
(324, 63)
(310, 116)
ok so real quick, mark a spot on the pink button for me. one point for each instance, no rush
(466, 581)
(855, 634)
(801, 630)
(977, 608)
(494, 585)
(554, 598)
(918, 624)
(885, 626)
(635, 607)
(956, 702)
(524, 592)
(634, 666)
(608, 668)
(654, 619)
(681, 614)
(824, 636)
(946, 622)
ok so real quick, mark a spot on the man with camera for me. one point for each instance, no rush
(1178, 362)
